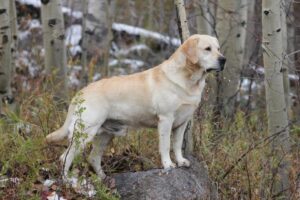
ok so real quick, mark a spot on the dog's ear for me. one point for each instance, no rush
(189, 48)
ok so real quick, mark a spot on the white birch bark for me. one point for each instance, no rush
(14, 33)
(231, 31)
(54, 44)
(275, 96)
(251, 36)
(296, 43)
(286, 82)
(184, 34)
(5, 52)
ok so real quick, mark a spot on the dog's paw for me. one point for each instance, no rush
(184, 163)
(169, 165)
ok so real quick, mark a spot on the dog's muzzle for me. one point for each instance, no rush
(222, 61)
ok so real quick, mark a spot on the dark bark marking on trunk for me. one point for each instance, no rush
(45, 2)
(4, 27)
(52, 22)
(61, 37)
(2, 11)
(4, 39)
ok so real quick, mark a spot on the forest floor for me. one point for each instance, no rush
(236, 153)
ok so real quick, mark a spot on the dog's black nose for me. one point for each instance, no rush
(222, 61)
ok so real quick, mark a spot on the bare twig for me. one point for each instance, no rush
(266, 140)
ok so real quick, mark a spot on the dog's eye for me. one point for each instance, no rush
(208, 48)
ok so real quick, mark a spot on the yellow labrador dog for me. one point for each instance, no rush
(165, 97)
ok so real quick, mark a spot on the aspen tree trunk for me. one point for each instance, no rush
(182, 20)
(96, 35)
(5, 52)
(285, 67)
(275, 99)
(14, 33)
(184, 34)
(203, 19)
(231, 31)
(54, 44)
(296, 42)
(251, 39)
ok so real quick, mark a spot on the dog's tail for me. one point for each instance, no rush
(62, 132)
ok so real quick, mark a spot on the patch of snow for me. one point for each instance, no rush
(25, 60)
(260, 70)
(73, 34)
(73, 37)
(245, 84)
(82, 187)
(146, 33)
(23, 35)
(48, 183)
(74, 13)
(293, 77)
(74, 50)
(138, 48)
(34, 24)
(73, 78)
(55, 196)
(96, 77)
(35, 3)
(133, 64)
(113, 62)
(114, 47)
(4, 181)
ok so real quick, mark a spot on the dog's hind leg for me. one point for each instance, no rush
(99, 145)
(75, 147)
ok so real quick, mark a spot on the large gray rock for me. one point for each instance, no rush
(178, 184)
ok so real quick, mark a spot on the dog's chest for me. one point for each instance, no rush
(184, 113)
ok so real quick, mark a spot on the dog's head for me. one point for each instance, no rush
(204, 51)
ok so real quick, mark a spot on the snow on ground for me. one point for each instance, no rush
(31, 24)
(74, 74)
(74, 13)
(55, 196)
(145, 33)
(293, 77)
(133, 64)
(73, 37)
(34, 24)
(134, 48)
(84, 187)
(35, 3)
(245, 84)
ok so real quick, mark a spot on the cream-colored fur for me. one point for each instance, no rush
(164, 97)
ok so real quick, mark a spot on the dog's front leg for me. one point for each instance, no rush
(164, 130)
(177, 145)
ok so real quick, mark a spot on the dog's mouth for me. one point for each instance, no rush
(214, 70)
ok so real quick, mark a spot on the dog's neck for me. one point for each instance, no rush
(183, 73)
